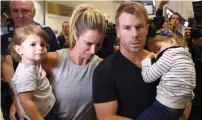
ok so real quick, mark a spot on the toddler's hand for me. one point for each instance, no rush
(151, 55)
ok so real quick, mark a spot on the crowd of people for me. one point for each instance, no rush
(62, 78)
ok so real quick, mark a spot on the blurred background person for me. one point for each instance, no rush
(64, 34)
(22, 14)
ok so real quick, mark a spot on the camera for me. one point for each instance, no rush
(196, 30)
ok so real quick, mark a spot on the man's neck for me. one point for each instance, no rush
(135, 58)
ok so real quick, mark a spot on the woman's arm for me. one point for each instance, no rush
(49, 62)
(26, 100)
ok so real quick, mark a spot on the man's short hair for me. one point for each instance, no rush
(133, 8)
(64, 22)
(29, 0)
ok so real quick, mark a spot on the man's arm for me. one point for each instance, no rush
(186, 112)
(7, 72)
(159, 11)
(107, 111)
(104, 95)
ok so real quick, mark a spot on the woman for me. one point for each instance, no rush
(71, 69)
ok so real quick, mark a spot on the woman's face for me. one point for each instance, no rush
(89, 43)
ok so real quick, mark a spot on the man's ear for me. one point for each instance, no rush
(18, 49)
(147, 28)
(34, 11)
(118, 32)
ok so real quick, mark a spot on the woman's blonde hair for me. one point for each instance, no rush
(84, 18)
(21, 34)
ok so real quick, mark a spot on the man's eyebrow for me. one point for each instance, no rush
(126, 25)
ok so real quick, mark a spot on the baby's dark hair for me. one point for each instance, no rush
(21, 34)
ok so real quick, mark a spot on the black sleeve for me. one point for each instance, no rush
(4, 46)
(61, 40)
(103, 84)
(52, 40)
(159, 12)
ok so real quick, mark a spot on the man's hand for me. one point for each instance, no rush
(162, 3)
(187, 33)
(186, 112)
(182, 117)
(13, 112)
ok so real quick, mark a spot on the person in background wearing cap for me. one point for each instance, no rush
(175, 68)
(195, 47)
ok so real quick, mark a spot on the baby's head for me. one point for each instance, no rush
(29, 44)
(163, 39)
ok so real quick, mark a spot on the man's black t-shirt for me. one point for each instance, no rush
(117, 78)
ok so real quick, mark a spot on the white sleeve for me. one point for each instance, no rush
(151, 73)
(26, 81)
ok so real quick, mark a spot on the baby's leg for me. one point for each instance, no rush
(158, 111)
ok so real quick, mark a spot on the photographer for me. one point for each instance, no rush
(194, 39)
(195, 46)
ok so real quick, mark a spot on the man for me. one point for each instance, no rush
(173, 25)
(118, 87)
(22, 13)
(63, 38)
(195, 46)
(174, 20)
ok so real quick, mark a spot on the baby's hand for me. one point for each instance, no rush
(151, 55)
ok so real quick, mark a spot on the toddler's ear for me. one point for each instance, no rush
(173, 41)
(18, 49)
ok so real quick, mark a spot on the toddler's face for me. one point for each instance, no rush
(32, 50)
(160, 46)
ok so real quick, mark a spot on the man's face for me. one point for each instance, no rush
(132, 31)
(22, 12)
(65, 28)
(175, 20)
